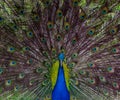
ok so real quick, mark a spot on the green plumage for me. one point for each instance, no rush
(34, 33)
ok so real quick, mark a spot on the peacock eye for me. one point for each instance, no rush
(114, 50)
(113, 31)
(30, 34)
(1, 70)
(58, 37)
(59, 13)
(47, 64)
(50, 25)
(75, 3)
(104, 11)
(30, 61)
(43, 40)
(74, 41)
(115, 85)
(71, 64)
(39, 70)
(11, 49)
(82, 72)
(15, 27)
(102, 79)
(91, 32)
(26, 48)
(22, 12)
(45, 53)
(8, 82)
(106, 92)
(13, 63)
(21, 75)
(82, 15)
(94, 49)
(31, 82)
(53, 52)
(67, 26)
(16, 88)
(74, 55)
(92, 81)
(44, 83)
(110, 69)
(47, 3)
(36, 17)
(91, 65)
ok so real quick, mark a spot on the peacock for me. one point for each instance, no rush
(59, 49)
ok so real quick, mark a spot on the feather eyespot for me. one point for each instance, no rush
(30, 61)
(31, 82)
(75, 3)
(114, 50)
(8, 82)
(25, 48)
(92, 81)
(71, 64)
(29, 34)
(74, 55)
(67, 26)
(45, 53)
(50, 25)
(59, 13)
(43, 40)
(47, 3)
(47, 64)
(53, 52)
(110, 69)
(82, 14)
(104, 10)
(13, 63)
(11, 49)
(91, 32)
(91, 65)
(102, 79)
(113, 30)
(16, 88)
(1, 70)
(95, 49)
(82, 72)
(105, 92)
(115, 85)
(58, 37)
(74, 41)
(21, 75)
(39, 70)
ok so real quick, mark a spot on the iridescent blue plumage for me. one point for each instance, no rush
(60, 91)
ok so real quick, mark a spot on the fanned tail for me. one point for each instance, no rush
(33, 33)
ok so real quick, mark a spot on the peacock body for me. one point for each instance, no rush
(60, 50)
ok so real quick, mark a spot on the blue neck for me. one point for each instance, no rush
(60, 91)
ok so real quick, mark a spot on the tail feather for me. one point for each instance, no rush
(33, 33)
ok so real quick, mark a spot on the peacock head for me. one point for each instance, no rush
(61, 57)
